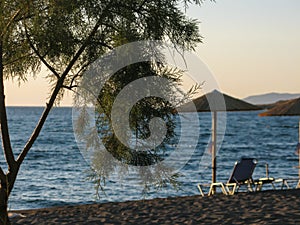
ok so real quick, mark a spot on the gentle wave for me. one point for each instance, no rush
(55, 173)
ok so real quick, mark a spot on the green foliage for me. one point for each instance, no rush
(17, 56)
(134, 21)
(68, 35)
(59, 28)
(129, 154)
(56, 30)
(140, 115)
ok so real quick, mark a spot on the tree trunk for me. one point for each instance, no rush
(4, 220)
(4, 191)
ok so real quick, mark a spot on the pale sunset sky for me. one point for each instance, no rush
(251, 47)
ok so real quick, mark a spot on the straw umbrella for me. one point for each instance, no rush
(287, 108)
(215, 102)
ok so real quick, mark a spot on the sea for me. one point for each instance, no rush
(56, 173)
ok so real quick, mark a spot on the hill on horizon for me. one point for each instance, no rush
(270, 98)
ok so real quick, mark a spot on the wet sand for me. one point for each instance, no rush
(266, 207)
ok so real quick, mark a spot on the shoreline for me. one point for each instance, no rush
(265, 207)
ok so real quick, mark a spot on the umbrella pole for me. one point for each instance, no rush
(214, 148)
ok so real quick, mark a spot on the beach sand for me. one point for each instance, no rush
(266, 207)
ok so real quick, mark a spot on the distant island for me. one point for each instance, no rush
(270, 98)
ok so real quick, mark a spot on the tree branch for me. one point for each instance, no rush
(14, 16)
(104, 45)
(2, 175)
(42, 58)
(78, 74)
(9, 156)
(70, 87)
(54, 94)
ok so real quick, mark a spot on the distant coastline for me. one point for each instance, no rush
(270, 98)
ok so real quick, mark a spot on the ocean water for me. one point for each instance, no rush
(55, 173)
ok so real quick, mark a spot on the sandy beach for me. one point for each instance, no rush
(266, 207)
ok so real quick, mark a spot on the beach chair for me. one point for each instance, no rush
(259, 183)
(241, 175)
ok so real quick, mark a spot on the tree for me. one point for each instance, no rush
(137, 152)
(67, 36)
(16, 58)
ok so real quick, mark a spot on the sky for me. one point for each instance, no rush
(250, 46)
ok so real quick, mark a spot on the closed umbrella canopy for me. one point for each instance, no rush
(216, 101)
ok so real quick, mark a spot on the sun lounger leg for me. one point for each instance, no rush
(211, 189)
(250, 188)
(286, 184)
(232, 190)
(282, 185)
(200, 189)
(223, 189)
(273, 186)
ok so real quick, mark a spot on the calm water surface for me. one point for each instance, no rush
(55, 172)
